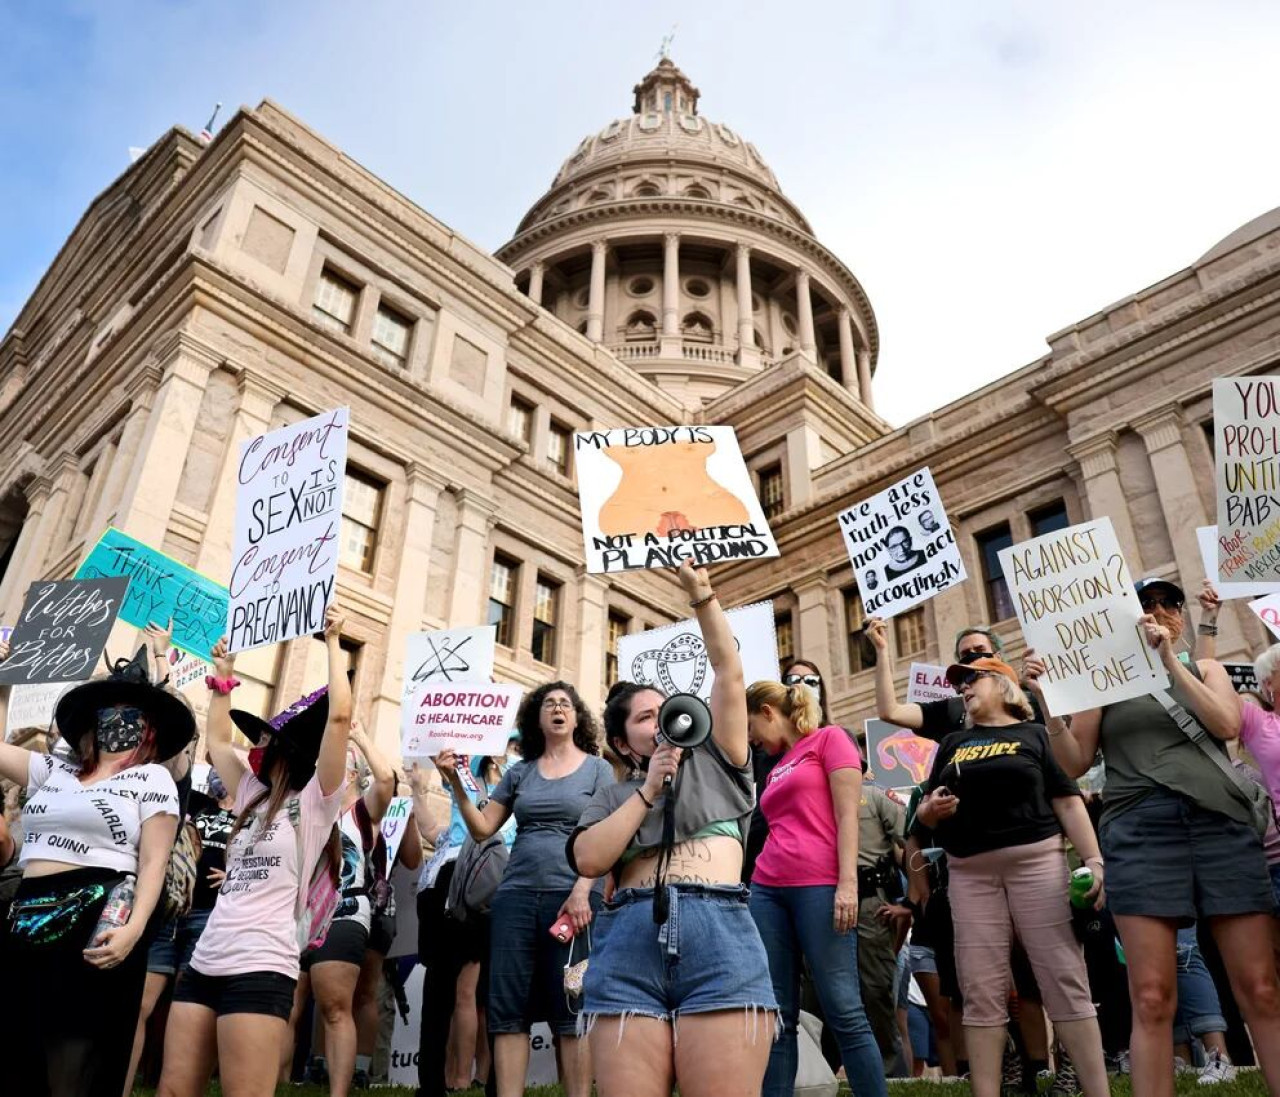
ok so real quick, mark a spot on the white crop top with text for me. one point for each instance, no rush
(92, 826)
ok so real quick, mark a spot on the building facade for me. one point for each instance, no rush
(213, 292)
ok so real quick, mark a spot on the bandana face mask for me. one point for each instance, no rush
(255, 760)
(119, 729)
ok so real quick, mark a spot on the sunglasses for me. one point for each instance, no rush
(1160, 601)
(801, 679)
(975, 654)
(971, 676)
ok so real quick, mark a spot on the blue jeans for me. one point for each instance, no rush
(1199, 1011)
(796, 920)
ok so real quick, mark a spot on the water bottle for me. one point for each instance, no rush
(1081, 884)
(118, 907)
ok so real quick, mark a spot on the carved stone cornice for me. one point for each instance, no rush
(1161, 428)
(1096, 455)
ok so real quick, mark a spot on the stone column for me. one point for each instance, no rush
(413, 573)
(535, 281)
(864, 379)
(1097, 459)
(257, 402)
(748, 352)
(804, 309)
(814, 639)
(848, 358)
(671, 295)
(595, 303)
(592, 592)
(127, 451)
(476, 518)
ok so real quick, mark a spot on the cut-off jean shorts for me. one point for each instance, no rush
(708, 956)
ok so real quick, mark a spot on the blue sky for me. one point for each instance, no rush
(991, 171)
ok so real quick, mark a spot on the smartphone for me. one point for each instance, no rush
(562, 931)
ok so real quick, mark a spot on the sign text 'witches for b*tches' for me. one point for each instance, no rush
(288, 521)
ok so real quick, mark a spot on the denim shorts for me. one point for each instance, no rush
(708, 956)
(1169, 858)
(171, 950)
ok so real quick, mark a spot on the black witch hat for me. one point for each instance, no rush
(295, 735)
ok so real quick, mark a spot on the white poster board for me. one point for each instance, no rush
(1225, 563)
(1075, 599)
(474, 718)
(32, 706)
(1268, 612)
(449, 656)
(928, 682)
(288, 526)
(901, 545)
(653, 497)
(1246, 450)
(395, 823)
(674, 658)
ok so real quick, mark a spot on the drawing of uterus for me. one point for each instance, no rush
(909, 751)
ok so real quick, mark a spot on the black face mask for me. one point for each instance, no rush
(119, 729)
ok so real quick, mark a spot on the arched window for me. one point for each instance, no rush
(641, 325)
(697, 327)
(696, 190)
(646, 189)
(598, 195)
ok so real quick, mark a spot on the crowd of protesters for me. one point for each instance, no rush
(718, 891)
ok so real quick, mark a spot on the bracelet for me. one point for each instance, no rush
(221, 685)
(1095, 861)
(1207, 630)
(702, 601)
(644, 799)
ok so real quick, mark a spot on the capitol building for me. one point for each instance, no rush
(214, 291)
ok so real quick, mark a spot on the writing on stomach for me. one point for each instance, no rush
(714, 860)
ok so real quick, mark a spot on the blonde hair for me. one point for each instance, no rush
(796, 703)
(1015, 701)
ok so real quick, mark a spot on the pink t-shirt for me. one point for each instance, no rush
(802, 849)
(252, 927)
(1260, 732)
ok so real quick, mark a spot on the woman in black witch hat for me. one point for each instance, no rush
(99, 824)
(232, 1003)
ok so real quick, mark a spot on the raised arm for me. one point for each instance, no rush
(223, 756)
(480, 824)
(331, 766)
(1213, 701)
(729, 691)
(429, 829)
(1207, 629)
(906, 714)
(595, 850)
(383, 789)
(160, 640)
(1074, 742)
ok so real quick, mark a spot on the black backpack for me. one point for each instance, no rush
(476, 876)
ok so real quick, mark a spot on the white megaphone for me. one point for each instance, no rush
(684, 721)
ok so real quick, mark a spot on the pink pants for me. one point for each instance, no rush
(1022, 888)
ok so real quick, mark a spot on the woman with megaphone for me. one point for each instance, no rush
(676, 944)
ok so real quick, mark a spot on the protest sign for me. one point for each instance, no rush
(897, 757)
(1268, 612)
(1242, 677)
(32, 706)
(902, 546)
(653, 497)
(288, 518)
(162, 590)
(449, 655)
(1074, 597)
(472, 719)
(62, 630)
(186, 670)
(394, 824)
(1246, 434)
(927, 682)
(674, 658)
(1222, 573)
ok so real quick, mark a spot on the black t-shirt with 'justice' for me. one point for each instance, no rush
(1005, 779)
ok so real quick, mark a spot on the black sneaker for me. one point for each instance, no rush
(360, 1079)
(1066, 1083)
(1011, 1072)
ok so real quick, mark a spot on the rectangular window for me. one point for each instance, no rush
(502, 598)
(771, 495)
(257, 669)
(335, 306)
(1207, 427)
(361, 510)
(520, 420)
(908, 631)
(862, 652)
(1049, 518)
(786, 638)
(990, 542)
(546, 612)
(618, 624)
(315, 668)
(558, 444)
(391, 333)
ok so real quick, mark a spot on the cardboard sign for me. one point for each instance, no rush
(1074, 597)
(1223, 573)
(449, 655)
(674, 658)
(927, 682)
(62, 630)
(1268, 612)
(1242, 677)
(288, 520)
(902, 546)
(653, 497)
(1246, 434)
(471, 719)
(162, 590)
(32, 706)
(395, 823)
(896, 757)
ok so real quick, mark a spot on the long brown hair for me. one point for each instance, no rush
(275, 797)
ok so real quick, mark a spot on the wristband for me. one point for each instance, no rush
(1095, 861)
(1207, 630)
(699, 603)
(221, 685)
(644, 799)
